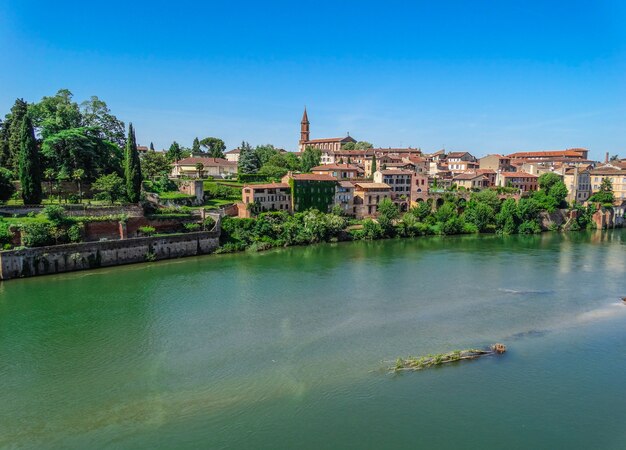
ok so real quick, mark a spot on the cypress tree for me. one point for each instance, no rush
(28, 161)
(195, 147)
(151, 146)
(14, 136)
(132, 167)
(373, 164)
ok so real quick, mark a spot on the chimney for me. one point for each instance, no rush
(606, 158)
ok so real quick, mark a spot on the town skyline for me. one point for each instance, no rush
(500, 78)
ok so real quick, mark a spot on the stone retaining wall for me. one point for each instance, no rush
(92, 255)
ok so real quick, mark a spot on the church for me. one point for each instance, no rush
(328, 144)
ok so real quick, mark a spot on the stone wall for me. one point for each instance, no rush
(92, 255)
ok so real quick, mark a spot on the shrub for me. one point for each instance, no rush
(75, 232)
(191, 227)
(5, 235)
(147, 231)
(55, 214)
(37, 234)
(208, 223)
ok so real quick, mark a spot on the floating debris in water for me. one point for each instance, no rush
(424, 362)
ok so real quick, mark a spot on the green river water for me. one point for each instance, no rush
(284, 349)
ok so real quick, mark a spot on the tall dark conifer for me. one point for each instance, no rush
(28, 162)
(14, 136)
(132, 167)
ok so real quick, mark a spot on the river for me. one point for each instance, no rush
(284, 349)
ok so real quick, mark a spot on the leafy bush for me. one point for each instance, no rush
(37, 234)
(5, 235)
(56, 214)
(75, 232)
(147, 230)
(208, 223)
(191, 227)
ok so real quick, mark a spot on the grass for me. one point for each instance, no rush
(25, 220)
(217, 202)
(174, 195)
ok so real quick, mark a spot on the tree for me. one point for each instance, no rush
(605, 195)
(248, 159)
(4, 142)
(154, 165)
(81, 148)
(480, 214)
(195, 147)
(265, 153)
(215, 147)
(362, 145)
(373, 163)
(174, 153)
(96, 114)
(57, 113)
(14, 134)
(387, 213)
(29, 168)
(109, 188)
(199, 169)
(614, 158)
(6, 186)
(132, 167)
(78, 175)
(152, 146)
(311, 157)
(348, 146)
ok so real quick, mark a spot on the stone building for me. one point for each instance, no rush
(328, 144)
(258, 198)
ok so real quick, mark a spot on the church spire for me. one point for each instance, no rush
(304, 128)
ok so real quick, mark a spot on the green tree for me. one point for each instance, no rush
(109, 188)
(7, 189)
(132, 167)
(248, 159)
(96, 114)
(387, 213)
(480, 214)
(29, 166)
(195, 147)
(154, 165)
(199, 169)
(14, 134)
(214, 147)
(78, 175)
(373, 164)
(311, 157)
(605, 195)
(81, 148)
(175, 153)
(265, 153)
(362, 145)
(152, 146)
(57, 113)
(348, 146)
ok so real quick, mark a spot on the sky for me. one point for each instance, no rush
(484, 76)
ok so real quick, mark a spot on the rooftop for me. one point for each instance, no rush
(267, 186)
(373, 185)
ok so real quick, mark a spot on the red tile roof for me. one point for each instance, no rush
(570, 152)
(267, 186)
(517, 175)
(313, 177)
(327, 167)
(373, 185)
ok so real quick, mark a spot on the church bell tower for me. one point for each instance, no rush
(304, 128)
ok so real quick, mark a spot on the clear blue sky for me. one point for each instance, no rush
(483, 75)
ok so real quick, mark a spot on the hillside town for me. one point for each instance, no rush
(77, 191)
(356, 180)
